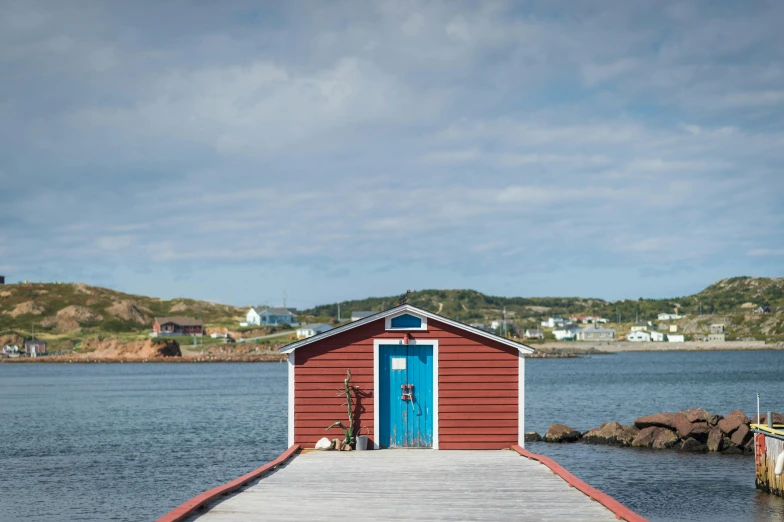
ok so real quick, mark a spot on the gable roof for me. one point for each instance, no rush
(407, 308)
(362, 314)
(314, 326)
(567, 328)
(179, 321)
(274, 311)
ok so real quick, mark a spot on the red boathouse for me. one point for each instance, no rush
(425, 381)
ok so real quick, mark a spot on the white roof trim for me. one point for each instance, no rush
(407, 308)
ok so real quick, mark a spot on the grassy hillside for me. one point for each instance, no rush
(65, 313)
(725, 296)
(729, 300)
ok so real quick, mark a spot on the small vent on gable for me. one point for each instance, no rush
(406, 321)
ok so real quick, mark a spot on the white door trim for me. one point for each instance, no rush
(291, 399)
(376, 394)
(521, 400)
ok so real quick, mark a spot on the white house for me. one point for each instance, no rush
(594, 332)
(566, 333)
(587, 319)
(309, 330)
(638, 337)
(658, 337)
(552, 322)
(264, 316)
(356, 316)
(641, 326)
(675, 338)
(667, 317)
(533, 333)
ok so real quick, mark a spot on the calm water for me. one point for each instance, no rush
(131, 441)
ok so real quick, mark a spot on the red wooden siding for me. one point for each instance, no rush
(478, 386)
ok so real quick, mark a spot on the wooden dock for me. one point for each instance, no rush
(408, 485)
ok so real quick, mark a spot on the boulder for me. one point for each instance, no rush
(778, 418)
(655, 437)
(665, 439)
(611, 434)
(693, 423)
(696, 414)
(645, 438)
(324, 444)
(741, 435)
(532, 436)
(662, 420)
(729, 447)
(692, 444)
(733, 421)
(686, 428)
(715, 438)
(561, 433)
(749, 447)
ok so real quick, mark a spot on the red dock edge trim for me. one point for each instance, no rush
(621, 512)
(189, 507)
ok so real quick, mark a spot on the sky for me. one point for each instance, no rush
(237, 151)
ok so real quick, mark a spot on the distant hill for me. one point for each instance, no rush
(731, 297)
(63, 308)
(65, 314)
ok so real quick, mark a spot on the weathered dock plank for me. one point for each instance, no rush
(408, 485)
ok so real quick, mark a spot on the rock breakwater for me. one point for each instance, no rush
(694, 430)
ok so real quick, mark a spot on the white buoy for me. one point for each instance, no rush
(779, 464)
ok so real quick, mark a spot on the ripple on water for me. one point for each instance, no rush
(132, 441)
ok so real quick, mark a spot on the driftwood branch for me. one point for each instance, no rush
(348, 432)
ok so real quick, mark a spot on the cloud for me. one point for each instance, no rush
(766, 252)
(462, 137)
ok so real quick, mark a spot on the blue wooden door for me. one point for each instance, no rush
(406, 396)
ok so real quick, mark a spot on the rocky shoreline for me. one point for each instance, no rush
(694, 430)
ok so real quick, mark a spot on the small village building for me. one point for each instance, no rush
(35, 347)
(534, 333)
(500, 324)
(266, 316)
(424, 381)
(483, 327)
(673, 328)
(177, 326)
(566, 333)
(309, 330)
(721, 337)
(668, 317)
(553, 322)
(640, 326)
(658, 337)
(594, 332)
(717, 328)
(675, 338)
(587, 319)
(10, 351)
(356, 316)
(638, 337)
